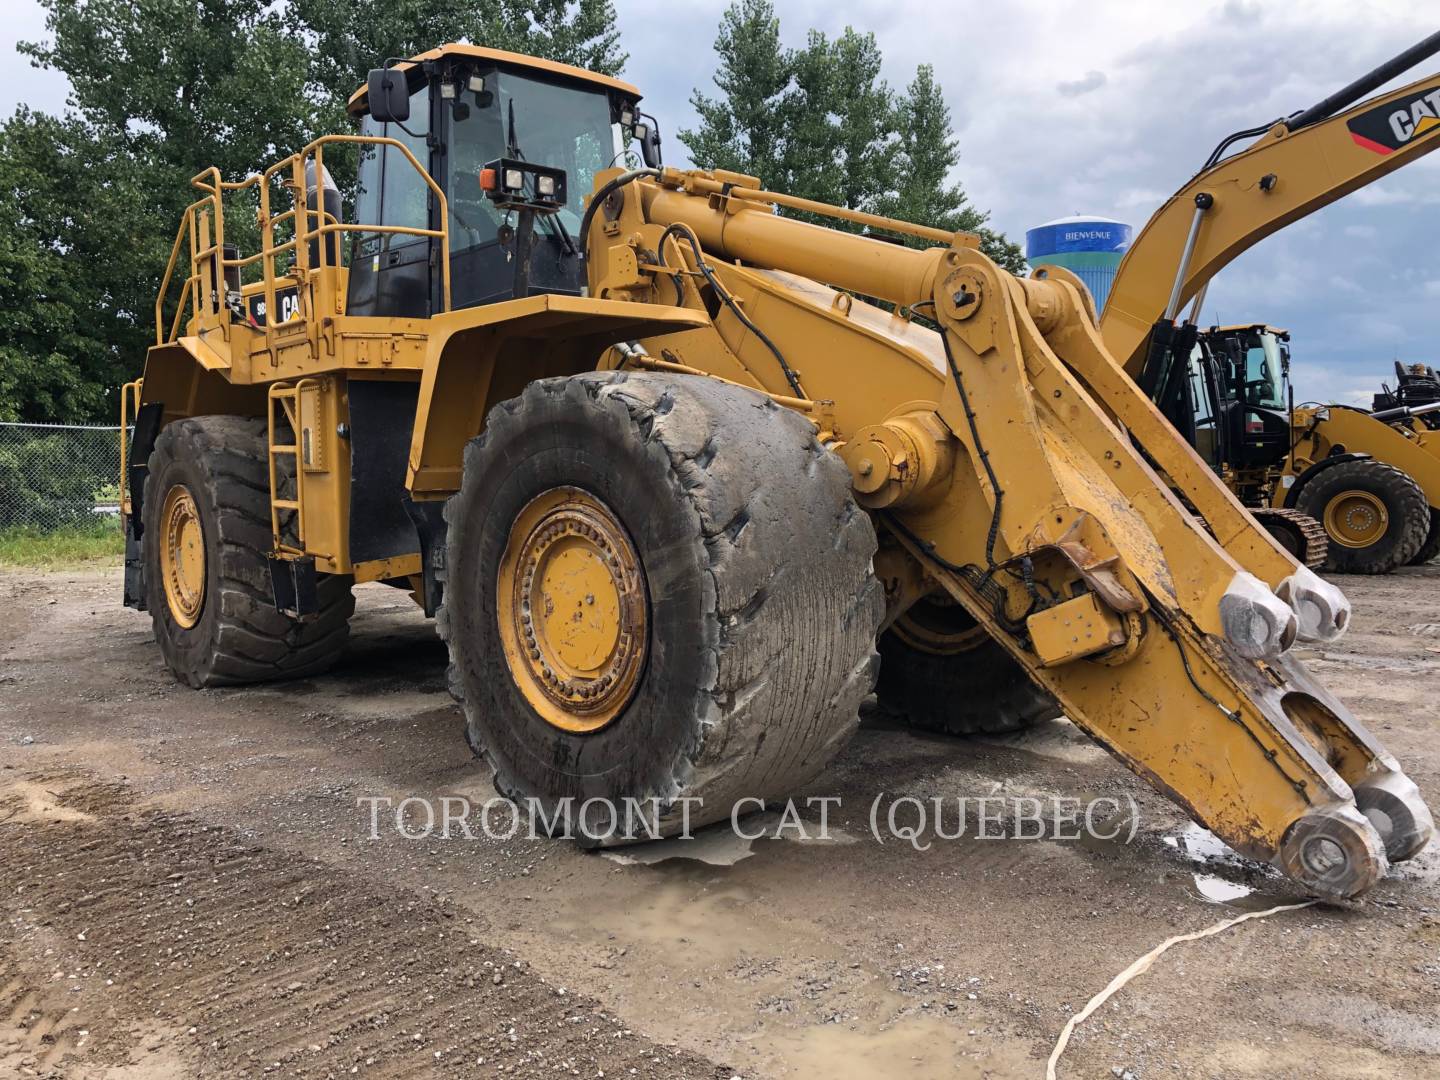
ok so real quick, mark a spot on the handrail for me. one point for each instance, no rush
(186, 227)
(129, 392)
(309, 224)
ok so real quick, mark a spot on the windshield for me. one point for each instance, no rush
(1267, 361)
(539, 122)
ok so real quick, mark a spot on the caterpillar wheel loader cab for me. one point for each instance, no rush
(1372, 482)
(669, 518)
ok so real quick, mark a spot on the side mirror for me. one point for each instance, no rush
(389, 96)
(649, 135)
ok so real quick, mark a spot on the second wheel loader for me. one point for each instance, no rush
(675, 494)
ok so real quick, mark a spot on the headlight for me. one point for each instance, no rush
(514, 179)
(545, 186)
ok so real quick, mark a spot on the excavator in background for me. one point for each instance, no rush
(1371, 481)
(673, 492)
(1416, 390)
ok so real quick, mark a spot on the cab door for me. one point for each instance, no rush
(391, 273)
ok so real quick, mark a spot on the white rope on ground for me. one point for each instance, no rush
(1139, 967)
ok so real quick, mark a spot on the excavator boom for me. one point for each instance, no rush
(1295, 167)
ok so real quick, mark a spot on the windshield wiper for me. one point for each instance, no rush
(554, 226)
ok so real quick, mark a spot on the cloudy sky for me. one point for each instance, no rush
(1105, 107)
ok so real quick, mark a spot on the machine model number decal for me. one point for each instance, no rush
(1399, 123)
(287, 300)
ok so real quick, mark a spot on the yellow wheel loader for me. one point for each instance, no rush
(673, 492)
(1371, 481)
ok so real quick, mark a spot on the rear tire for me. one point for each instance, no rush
(760, 613)
(941, 672)
(1376, 516)
(227, 630)
(1431, 547)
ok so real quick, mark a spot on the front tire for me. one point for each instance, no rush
(206, 515)
(741, 670)
(1375, 516)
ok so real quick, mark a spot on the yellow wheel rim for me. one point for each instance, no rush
(938, 625)
(1356, 519)
(182, 556)
(573, 610)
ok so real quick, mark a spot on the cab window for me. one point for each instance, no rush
(1265, 364)
(539, 122)
(404, 194)
(389, 190)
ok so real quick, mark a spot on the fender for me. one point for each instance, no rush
(479, 356)
(1309, 474)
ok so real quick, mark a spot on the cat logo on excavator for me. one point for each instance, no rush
(1392, 125)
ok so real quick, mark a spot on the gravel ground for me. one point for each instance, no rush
(192, 889)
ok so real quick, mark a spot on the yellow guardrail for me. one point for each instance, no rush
(129, 408)
(203, 224)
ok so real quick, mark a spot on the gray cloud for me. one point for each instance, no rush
(1177, 80)
(1092, 80)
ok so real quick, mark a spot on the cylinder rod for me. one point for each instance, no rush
(756, 236)
(1203, 202)
(1406, 411)
(1360, 87)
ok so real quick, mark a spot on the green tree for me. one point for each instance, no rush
(743, 129)
(926, 157)
(346, 38)
(821, 123)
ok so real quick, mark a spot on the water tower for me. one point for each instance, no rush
(1090, 246)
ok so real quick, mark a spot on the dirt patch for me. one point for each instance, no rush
(255, 961)
(839, 959)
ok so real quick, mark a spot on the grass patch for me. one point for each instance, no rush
(71, 545)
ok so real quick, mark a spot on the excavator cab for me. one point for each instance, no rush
(1230, 400)
(514, 143)
(1252, 380)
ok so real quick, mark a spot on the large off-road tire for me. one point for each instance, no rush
(1375, 516)
(206, 519)
(1431, 547)
(657, 587)
(940, 671)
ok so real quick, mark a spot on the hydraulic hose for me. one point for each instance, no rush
(603, 194)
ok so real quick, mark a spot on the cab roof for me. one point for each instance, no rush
(359, 100)
(1240, 327)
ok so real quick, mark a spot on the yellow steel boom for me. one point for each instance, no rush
(1294, 168)
(992, 454)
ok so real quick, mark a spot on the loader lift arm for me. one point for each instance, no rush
(1296, 166)
(998, 453)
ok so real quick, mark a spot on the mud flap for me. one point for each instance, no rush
(292, 581)
(134, 565)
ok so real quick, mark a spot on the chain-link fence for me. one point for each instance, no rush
(57, 475)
